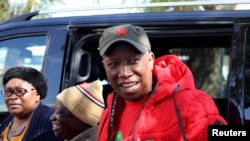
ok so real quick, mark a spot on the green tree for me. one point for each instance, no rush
(177, 8)
(10, 8)
(186, 8)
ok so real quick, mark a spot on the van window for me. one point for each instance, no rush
(21, 51)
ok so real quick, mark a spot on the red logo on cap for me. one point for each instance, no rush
(121, 31)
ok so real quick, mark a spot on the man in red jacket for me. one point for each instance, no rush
(152, 99)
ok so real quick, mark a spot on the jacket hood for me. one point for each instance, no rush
(169, 72)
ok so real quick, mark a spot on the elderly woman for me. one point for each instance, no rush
(77, 112)
(24, 87)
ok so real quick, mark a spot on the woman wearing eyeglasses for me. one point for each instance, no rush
(24, 87)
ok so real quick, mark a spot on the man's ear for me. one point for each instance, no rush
(152, 55)
(103, 63)
(151, 60)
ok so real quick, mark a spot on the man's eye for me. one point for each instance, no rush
(112, 64)
(134, 60)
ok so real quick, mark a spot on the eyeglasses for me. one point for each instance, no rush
(18, 92)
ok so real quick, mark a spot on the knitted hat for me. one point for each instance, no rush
(84, 101)
(134, 35)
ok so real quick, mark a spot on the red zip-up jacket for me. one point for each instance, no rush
(174, 95)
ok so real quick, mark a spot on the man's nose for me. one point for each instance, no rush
(125, 71)
(53, 116)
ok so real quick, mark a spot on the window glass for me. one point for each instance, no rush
(21, 51)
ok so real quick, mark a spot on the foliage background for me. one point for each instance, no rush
(11, 8)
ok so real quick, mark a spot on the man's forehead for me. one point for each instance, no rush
(121, 46)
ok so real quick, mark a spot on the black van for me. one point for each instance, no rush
(214, 44)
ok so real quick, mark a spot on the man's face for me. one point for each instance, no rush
(129, 71)
(65, 125)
